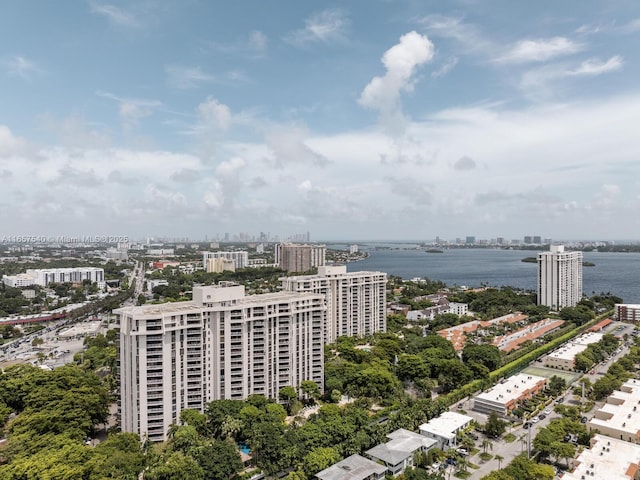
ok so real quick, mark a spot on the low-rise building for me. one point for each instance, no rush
(444, 428)
(397, 454)
(564, 357)
(354, 467)
(512, 341)
(507, 395)
(627, 312)
(619, 417)
(457, 335)
(607, 458)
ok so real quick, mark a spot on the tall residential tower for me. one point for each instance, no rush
(220, 345)
(559, 278)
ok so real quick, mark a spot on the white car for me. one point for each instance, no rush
(547, 411)
(535, 420)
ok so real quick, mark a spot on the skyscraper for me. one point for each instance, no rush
(559, 278)
(220, 345)
(355, 300)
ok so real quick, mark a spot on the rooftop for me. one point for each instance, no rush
(607, 458)
(354, 467)
(446, 424)
(512, 389)
(403, 444)
(622, 410)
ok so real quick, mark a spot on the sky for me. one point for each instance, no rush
(367, 119)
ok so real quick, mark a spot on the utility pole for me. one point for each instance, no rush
(529, 440)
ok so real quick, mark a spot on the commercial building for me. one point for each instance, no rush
(619, 417)
(355, 300)
(296, 257)
(45, 276)
(354, 467)
(559, 278)
(397, 454)
(507, 395)
(564, 357)
(444, 428)
(627, 312)
(240, 258)
(607, 458)
(220, 345)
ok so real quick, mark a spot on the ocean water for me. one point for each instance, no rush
(617, 273)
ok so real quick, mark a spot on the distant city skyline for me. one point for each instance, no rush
(370, 119)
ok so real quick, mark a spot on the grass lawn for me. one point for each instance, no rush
(509, 437)
(462, 474)
(486, 456)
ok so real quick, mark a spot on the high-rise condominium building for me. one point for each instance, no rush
(220, 345)
(240, 258)
(355, 301)
(296, 257)
(559, 278)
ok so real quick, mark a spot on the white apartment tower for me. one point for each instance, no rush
(559, 278)
(220, 345)
(355, 301)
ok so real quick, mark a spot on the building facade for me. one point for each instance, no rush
(355, 300)
(45, 276)
(504, 397)
(559, 278)
(444, 429)
(296, 257)
(607, 458)
(619, 417)
(240, 258)
(627, 312)
(220, 345)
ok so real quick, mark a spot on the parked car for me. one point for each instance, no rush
(526, 425)
(462, 451)
(535, 420)
(583, 420)
(547, 411)
(542, 416)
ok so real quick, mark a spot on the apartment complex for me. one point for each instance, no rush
(45, 276)
(607, 458)
(399, 452)
(559, 278)
(564, 358)
(627, 312)
(619, 417)
(508, 394)
(240, 258)
(355, 300)
(219, 265)
(297, 257)
(220, 345)
(457, 335)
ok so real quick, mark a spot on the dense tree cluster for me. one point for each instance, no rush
(494, 302)
(596, 353)
(522, 468)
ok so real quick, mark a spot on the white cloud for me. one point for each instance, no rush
(214, 115)
(132, 110)
(445, 68)
(115, 14)
(75, 131)
(401, 61)
(258, 41)
(289, 146)
(540, 50)
(21, 67)
(328, 26)
(187, 77)
(10, 144)
(594, 66)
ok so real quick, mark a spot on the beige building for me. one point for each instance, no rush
(239, 258)
(219, 265)
(297, 257)
(220, 345)
(564, 358)
(508, 394)
(606, 459)
(619, 417)
(627, 312)
(355, 300)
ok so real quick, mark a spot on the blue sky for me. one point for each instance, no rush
(352, 120)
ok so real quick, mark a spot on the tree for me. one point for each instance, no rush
(287, 395)
(219, 460)
(486, 444)
(556, 385)
(495, 427)
(453, 374)
(175, 467)
(483, 354)
(499, 458)
(319, 459)
(310, 389)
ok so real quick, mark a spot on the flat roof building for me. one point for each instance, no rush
(397, 454)
(503, 397)
(296, 257)
(354, 467)
(564, 357)
(559, 278)
(619, 417)
(444, 428)
(607, 458)
(355, 300)
(220, 345)
(627, 312)
(239, 258)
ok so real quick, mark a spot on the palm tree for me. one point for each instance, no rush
(499, 458)
(486, 443)
(523, 441)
